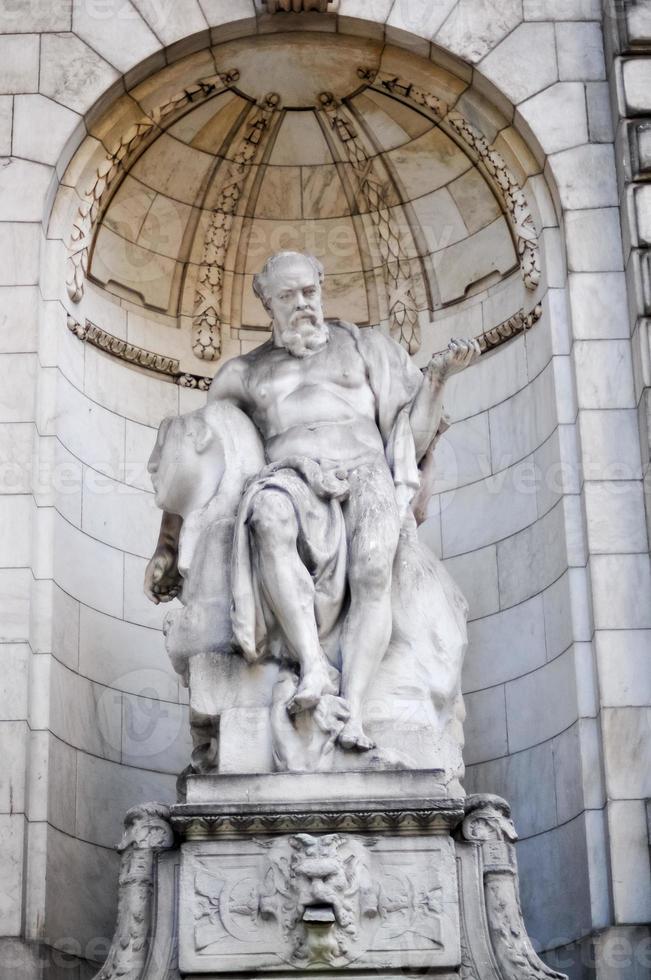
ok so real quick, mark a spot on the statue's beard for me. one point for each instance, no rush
(306, 334)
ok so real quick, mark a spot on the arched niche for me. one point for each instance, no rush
(418, 194)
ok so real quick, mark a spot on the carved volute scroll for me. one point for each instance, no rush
(146, 833)
(488, 824)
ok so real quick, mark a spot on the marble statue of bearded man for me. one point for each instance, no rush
(345, 419)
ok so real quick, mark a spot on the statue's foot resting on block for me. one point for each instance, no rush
(316, 682)
(352, 736)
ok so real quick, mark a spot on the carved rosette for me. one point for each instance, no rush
(117, 163)
(209, 295)
(488, 823)
(403, 312)
(146, 832)
(502, 180)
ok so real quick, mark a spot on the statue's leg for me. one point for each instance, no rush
(373, 528)
(288, 589)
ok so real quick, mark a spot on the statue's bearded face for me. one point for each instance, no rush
(294, 300)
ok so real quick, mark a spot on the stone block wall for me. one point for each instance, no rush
(540, 514)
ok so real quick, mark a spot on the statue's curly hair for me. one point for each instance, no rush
(261, 279)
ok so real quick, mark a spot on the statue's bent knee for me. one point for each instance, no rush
(272, 516)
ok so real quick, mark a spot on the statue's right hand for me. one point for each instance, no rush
(162, 576)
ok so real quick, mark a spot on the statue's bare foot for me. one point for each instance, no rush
(314, 684)
(352, 736)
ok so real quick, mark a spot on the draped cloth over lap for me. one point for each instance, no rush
(317, 496)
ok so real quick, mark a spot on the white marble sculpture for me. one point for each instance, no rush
(290, 535)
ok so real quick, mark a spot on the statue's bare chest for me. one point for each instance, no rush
(286, 390)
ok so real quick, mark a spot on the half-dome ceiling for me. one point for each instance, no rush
(312, 142)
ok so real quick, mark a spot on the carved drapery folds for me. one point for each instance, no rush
(207, 318)
(116, 164)
(493, 165)
(146, 833)
(403, 312)
(488, 823)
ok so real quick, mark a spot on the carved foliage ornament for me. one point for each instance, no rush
(116, 164)
(502, 180)
(209, 296)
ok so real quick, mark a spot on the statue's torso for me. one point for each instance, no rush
(320, 406)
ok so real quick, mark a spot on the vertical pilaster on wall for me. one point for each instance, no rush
(627, 29)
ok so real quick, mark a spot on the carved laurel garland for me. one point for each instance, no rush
(149, 360)
(403, 312)
(209, 295)
(116, 164)
(502, 179)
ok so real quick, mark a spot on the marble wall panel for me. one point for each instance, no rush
(14, 738)
(85, 715)
(505, 645)
(476, 575)
(125, 656)
(144, 399)
(627, 751)
(532, 559)
(119, 515)
(629, 849)
(533, 802)
(542, 703)
(485, 725)
(109, 789)
(623, 657)
(524, 63)
(81, 889)
(15, 585)
(475, 515)
(155, 734)
(554, 884)
(90, 432)
(12, 833)
(620, 585)
(88, 569)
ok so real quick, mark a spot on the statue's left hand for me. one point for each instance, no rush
(458, 356)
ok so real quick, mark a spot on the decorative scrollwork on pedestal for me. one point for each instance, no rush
(146, 833)
(488, 823)
(116, 164)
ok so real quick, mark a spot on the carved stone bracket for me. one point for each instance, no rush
(116, 164)
(209, 294)
(488, 824)
(146, 833)
(492, 164)
(403, 312)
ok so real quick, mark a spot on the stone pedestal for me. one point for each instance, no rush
(364, 874)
